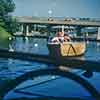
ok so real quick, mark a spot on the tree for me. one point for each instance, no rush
(11, 24)
(6, 20)
(6, 7)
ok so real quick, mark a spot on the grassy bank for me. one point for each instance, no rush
(4, 34)
(4, 41)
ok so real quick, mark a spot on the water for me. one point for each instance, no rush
(51, 85)
(30, 45)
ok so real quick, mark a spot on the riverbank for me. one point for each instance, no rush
(4, 34)
(4, 38)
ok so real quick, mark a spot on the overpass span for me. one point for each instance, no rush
(73, 22)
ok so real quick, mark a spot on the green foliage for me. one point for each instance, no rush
(4, 34)
(6, 6)
(4, 42)
(11, 25)
(6, 20)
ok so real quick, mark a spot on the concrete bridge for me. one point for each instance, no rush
(26, 22)
(51, 21)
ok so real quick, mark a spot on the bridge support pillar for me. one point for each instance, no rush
(78, 30)
(49, 30)
(35, 27)
(27, 30)
(22, 28)
(98, 35)
(62, 28)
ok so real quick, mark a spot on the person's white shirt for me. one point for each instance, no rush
(57, 39)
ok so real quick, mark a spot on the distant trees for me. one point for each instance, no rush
(6, 20)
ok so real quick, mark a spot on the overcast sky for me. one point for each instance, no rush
(58, 8)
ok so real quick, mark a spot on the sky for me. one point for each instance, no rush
(58, 8)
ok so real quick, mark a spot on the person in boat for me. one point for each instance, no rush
(59, 37)
(67, 38)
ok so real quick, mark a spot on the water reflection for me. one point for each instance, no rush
(30, 45)
(98, 46)
(93, 51)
